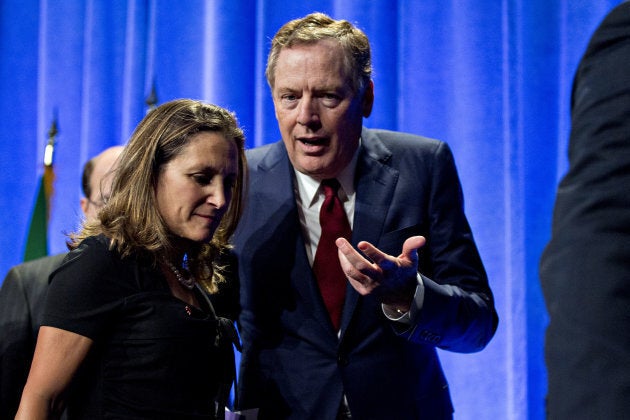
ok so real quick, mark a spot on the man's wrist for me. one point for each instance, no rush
(406, 309)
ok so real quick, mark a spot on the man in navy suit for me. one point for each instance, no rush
(412, 276)
(24, 291)
(585, 268)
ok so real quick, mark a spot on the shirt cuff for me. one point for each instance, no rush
(416, 305)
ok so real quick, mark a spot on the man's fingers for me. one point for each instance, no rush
(353, 264)
(411, 246)
(372, 252)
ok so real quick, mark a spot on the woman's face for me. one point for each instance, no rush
(195, 188)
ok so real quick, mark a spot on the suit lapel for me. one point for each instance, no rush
(274, 191)
(375, 184)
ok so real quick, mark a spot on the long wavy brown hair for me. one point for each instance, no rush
(130, 218)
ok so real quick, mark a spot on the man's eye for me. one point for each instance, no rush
(330, 99)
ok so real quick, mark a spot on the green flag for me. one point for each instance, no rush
(37, 239)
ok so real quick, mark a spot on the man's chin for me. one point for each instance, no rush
(316, 168)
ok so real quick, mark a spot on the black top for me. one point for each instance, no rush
(154, 356)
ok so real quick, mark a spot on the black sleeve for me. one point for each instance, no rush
(87, 290)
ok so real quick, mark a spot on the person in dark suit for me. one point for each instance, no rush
(412, 278)
(585, 268)
(24, 290)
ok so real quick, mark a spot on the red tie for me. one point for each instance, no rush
(330, 277)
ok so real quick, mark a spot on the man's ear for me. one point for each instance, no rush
(368, 99)
(85, 203)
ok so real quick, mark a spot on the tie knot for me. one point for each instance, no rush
(331, 186)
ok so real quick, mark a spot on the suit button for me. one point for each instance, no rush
(342, 360)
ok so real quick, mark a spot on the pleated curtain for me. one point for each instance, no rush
(490, 77)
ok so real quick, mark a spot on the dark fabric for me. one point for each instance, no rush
(154, 356)
(326, 267)
(585, 268)
(21, 305)
(294, 364)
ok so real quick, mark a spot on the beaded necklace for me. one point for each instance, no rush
(187, 281)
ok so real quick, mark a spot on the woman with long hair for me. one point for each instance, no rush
(128, 330)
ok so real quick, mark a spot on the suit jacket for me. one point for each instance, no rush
(293, 363)
(22, 299)
(585, 268)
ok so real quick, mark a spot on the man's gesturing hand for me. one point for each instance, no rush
(393, 279)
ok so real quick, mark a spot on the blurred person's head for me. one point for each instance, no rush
(97, 180)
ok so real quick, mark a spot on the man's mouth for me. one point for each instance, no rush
(312, 141)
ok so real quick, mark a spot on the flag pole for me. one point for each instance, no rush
(49, 174)
(37, 239)
(152, 99)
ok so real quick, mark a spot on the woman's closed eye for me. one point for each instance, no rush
(202, 179)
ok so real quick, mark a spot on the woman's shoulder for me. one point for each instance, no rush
(93, 250)
(95, 259)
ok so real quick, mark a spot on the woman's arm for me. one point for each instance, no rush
(58, 355)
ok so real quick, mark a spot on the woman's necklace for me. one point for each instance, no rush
(188, 282)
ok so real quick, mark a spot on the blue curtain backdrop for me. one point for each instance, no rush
(492, 78)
